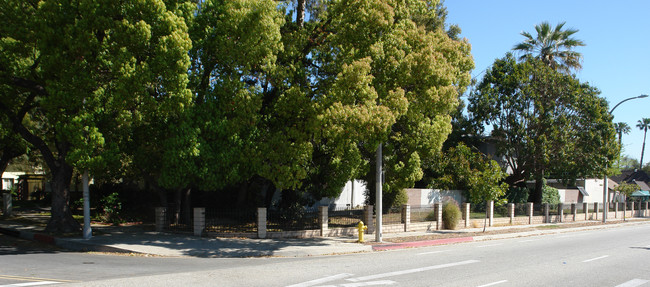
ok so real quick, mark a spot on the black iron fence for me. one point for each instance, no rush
(344, 217)
(231, 220)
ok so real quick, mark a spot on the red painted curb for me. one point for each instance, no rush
(420, 243)
(44, 238)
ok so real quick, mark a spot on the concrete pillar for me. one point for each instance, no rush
(596, 208)
(368, 219)
(530, 212)
(547, 219)
(560, 212)
(632, 208)
(7, 206)
(615, 209)
(490, 209)
(585, 208)
(466, 211)
(323, 220)
(438, 211)
(261, 222)
(511, 212)
(406, 217)
(645, 211)
(574, 211)
(624, 210)
(161, 218)
(199, 221)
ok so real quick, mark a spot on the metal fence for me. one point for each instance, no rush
(501, 211)
(292, 219)
(422, 213)
(392, 216)
(344, 217)
(477, 211)
(231, 220)
(521, 209)
(178, 219)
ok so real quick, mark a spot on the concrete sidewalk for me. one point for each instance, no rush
(136, 239)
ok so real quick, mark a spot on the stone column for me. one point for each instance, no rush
(511, 212)
(574, 211)
(530, 212)
(199, 221)
(261, 222)
(161, 218)
(616, 210)
(624, 210)
(560, 212)
(323, 219)
(632, 208)
(7, 206)
(438, 211)
(466, 211)
(368, 219)
(596, 208)
(585, 208)
(490, 208)
(406, 217)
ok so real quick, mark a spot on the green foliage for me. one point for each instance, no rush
(517, 194)
(450, 215)
(550, 195)
(544, 122)
(626, 188)
(111, 207)
(462, 168)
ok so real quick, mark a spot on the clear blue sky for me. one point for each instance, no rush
(616, 55)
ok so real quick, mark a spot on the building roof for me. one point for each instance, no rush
(636, 176)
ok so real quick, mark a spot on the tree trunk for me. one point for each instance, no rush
(300, 13)
(539, 186)
(643, 149)
(62, 220)
(177, 204)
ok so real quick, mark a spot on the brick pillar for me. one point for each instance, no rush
(624, 210)
(490, 209)
(511, 212)
(632, 208)
(547, 219)
(161, 218)
(574, 211)
(596, 208)
(261, 222)
(438, 210)
(199, 221)
(585, 208)
(530, 213)
(368, 219)
(615, 209)
(406, 217)
(466, 211)
(560, 212)
(7, 206)
(323, 219)
(645, 211)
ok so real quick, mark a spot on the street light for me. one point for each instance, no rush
(605, 187)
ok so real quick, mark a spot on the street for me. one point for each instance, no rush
(615, 256)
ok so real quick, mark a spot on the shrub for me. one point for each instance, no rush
(450, 215)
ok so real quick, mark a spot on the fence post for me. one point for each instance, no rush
(438, 211)
(615, 209)
(199, 220)
(645, 212)
(560, 212)
(546, 217)
(574, 211)
(323, 218)
(632, 208)
(511, 212)
(596, 208)
(530, 213)
(261, 222)
(406, 217)
(490, 207)
(624, 210)
(368, 219)
(6, 204)
(161, 218)
(466, 210)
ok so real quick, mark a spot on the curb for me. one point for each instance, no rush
(413, 244)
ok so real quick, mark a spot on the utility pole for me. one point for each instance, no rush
(378, 195)
(88, 232)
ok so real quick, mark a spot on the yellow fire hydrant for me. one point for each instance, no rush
(362, 229)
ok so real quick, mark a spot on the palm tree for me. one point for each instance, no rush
(643, 125)
(621, 128)
(552, 46)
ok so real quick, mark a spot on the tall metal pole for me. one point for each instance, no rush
(605, 183)
(378, 195)
(88, 232)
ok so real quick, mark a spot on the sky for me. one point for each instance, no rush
(616, 58)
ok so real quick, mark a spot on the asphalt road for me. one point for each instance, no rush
(617, 256)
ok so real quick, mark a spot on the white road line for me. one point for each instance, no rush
(494, 283)
(490, 245)
(633, 283)
(433, 252)
(529, 240)
(322, 280)
(409, 271)
(594, 259)
(371, 283)
(32, 284)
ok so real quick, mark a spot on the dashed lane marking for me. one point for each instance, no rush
(594, 259)
(633, 283)
(494, 283)
(322, 280)
(409, 271)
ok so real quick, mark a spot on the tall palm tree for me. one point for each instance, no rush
(621, 128)
(643, 125)
(552, 46)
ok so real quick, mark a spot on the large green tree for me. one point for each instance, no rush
(87, 73)
(545, 123)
